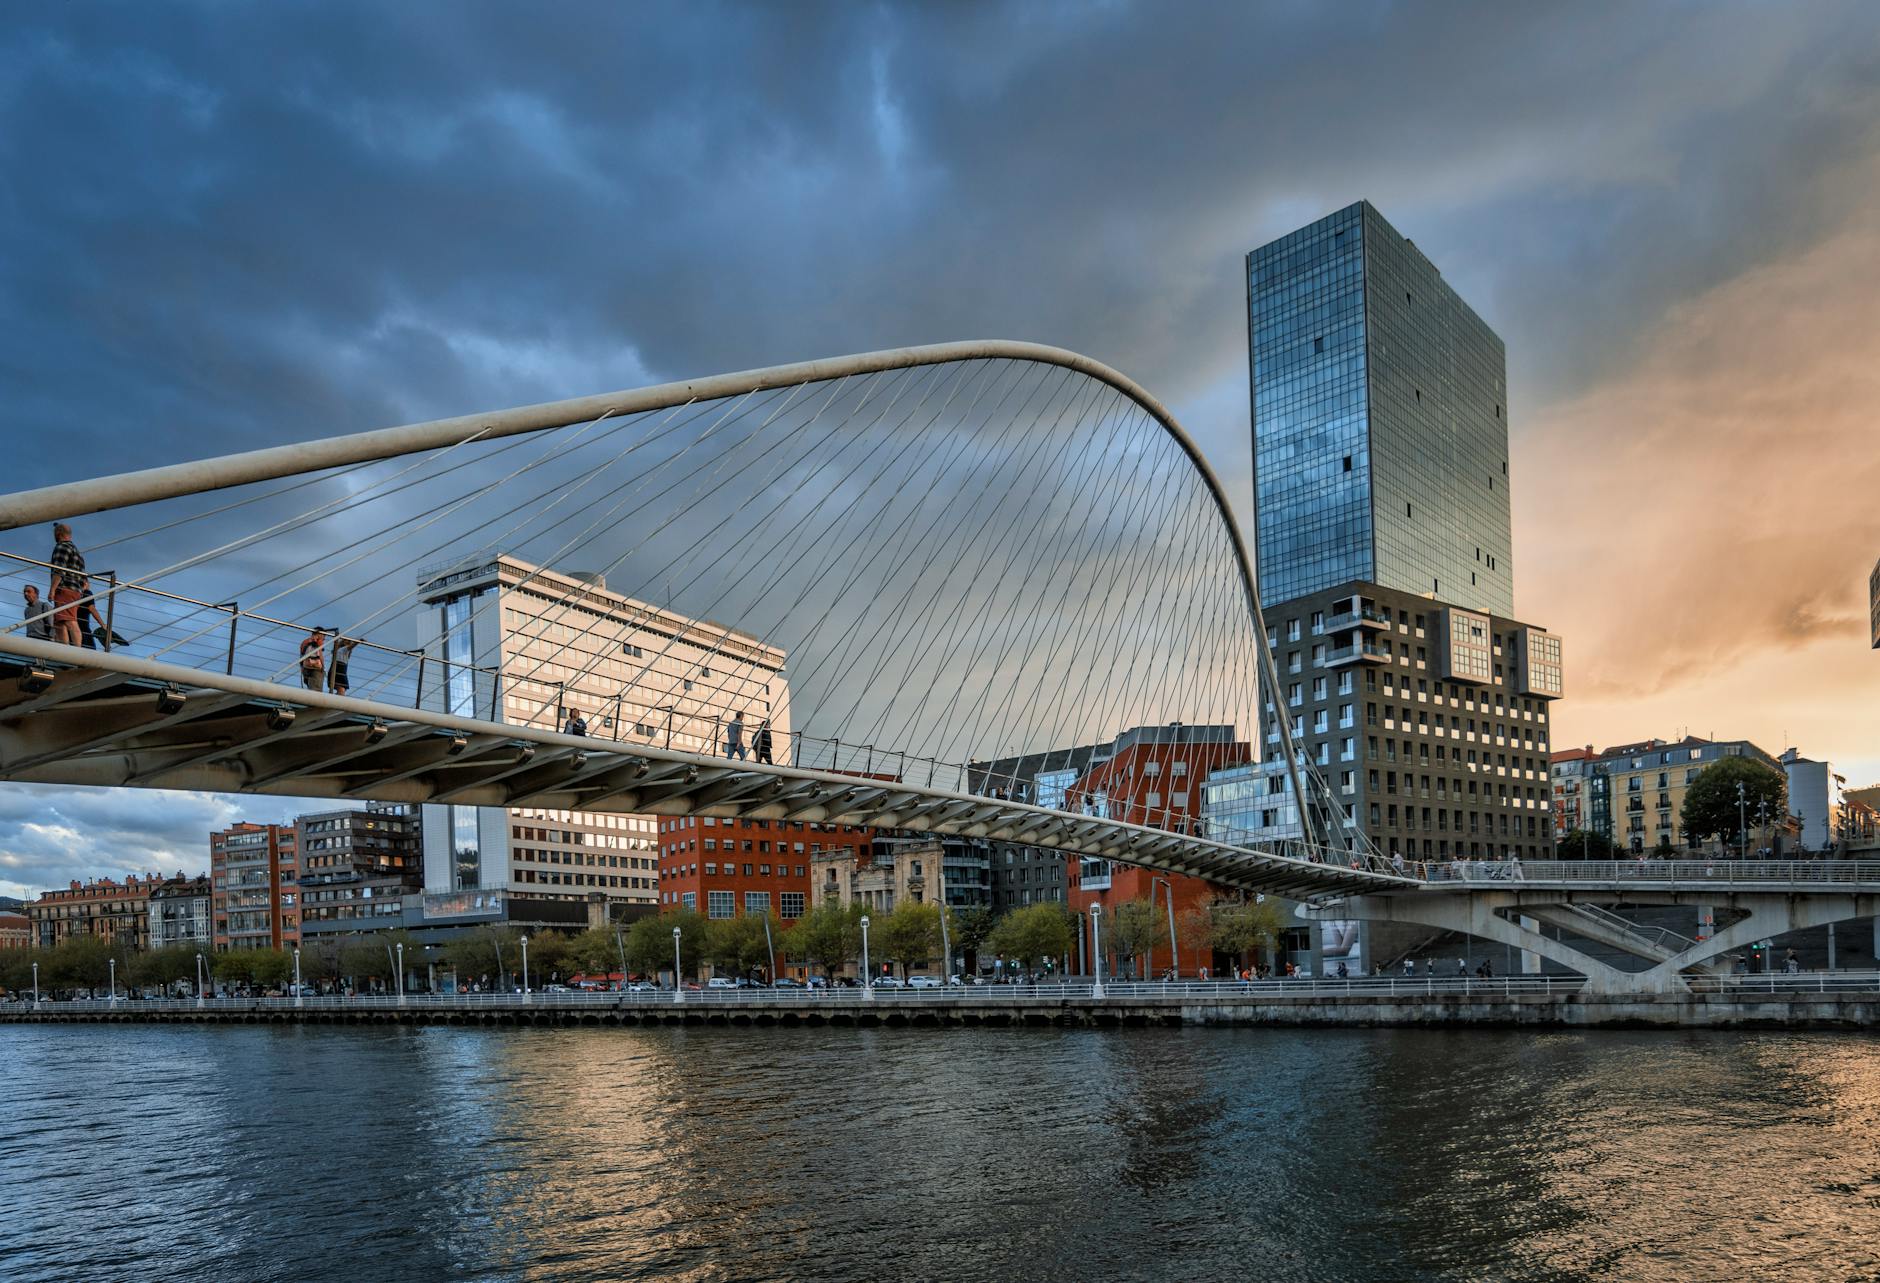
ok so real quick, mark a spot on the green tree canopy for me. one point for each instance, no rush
(828, 935)
(78, 962)
(1710, 803)
(1238, 927)
(488, 950)
(649, 941)
(736, 945)
(161, 968)
(909, 934)
(319, 958)
(595, 952)
(1584, 844)
(969, 928)
(1032, 932)
(1137, 928)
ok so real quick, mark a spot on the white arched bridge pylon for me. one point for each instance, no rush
(920, 589)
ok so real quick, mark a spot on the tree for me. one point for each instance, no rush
(548, 956)
(1710, 803)
(737, 944)
(969, 927)
(1033, 932)
(161, 968)
(910, 934)
(488, 950)
(595, 952)
(16, 968)
(79, 961)
(1584, 844)
(319, 960)
(1138, 929)
(1237, 927)
(649, 941)
(830, 934)
(272, 968)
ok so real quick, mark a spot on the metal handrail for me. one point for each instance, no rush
(1776, 872)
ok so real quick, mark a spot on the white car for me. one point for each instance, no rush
(720, 982)
(923, 982)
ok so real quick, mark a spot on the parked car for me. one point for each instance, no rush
(787, 982)
(721, 982)
(923, 982)
(556, 989)
(642, 986)
(889, 982)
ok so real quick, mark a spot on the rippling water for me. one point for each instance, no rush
(429, 1154)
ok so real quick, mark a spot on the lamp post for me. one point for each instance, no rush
(296, 975)
(401, 968)
(525, 967)
(1742, 823)
(1096, 950)
(198, 977)
(678, 976)
(946, 948)
(771, 949)
(113, 962)
(36, 984)
(1174, 955)
(868, 977)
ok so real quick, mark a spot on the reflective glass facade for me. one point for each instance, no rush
(1380, 421)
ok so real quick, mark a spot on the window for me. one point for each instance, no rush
(720, 904)
(757, 902)
(790, 905)
(1347, 463)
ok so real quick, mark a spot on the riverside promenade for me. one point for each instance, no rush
(1816, 1000)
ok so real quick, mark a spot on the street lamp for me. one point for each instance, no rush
(296, 975)
(1174, 956)
(678, 976)
(525, 966)
(401, 967)
(113, 962)
(868, 978)
(36, 984)
(1096, 949)
(771, 949)
(198, 977)
(1742, 823)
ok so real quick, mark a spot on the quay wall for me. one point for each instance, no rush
(1834, 1010)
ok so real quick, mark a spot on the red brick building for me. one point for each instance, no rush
(1152, 776)
(106, 910)
(727, 867)
(255, 869)
(16, 931)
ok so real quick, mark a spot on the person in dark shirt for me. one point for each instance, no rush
(38, 615)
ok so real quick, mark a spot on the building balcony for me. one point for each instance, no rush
(1362, 653)
(1364, 617)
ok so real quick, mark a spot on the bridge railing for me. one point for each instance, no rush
(1760, 872)
(1116, 991)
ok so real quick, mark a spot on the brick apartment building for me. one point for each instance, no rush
(726, 867)
(255, 871)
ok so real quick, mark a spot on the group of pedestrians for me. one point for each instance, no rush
(760, 740)
(67, 613)
(316, 673)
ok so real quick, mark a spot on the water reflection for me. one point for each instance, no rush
(254, 1153)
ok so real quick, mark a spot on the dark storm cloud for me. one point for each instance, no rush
(226, 226)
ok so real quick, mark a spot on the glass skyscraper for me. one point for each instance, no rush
(1380, 427)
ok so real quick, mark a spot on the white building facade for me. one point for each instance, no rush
(533, 646)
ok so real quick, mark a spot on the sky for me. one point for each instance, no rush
(224, 227)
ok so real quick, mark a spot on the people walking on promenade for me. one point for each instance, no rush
(338, 681)
(760, 742)
(313, 659)
(734, 737)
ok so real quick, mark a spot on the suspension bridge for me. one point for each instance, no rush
(857, 591)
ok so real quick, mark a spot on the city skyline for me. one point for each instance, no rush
(1690, 491)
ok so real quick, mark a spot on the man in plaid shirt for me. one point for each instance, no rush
(69, 583)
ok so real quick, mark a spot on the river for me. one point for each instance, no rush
(264, 1153)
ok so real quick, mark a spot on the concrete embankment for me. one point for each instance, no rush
(1843, 1010)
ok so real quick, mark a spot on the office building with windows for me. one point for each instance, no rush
(1385, 560)
(357, 866)
(533, 646)
(1427, 723)
(1380, 433)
